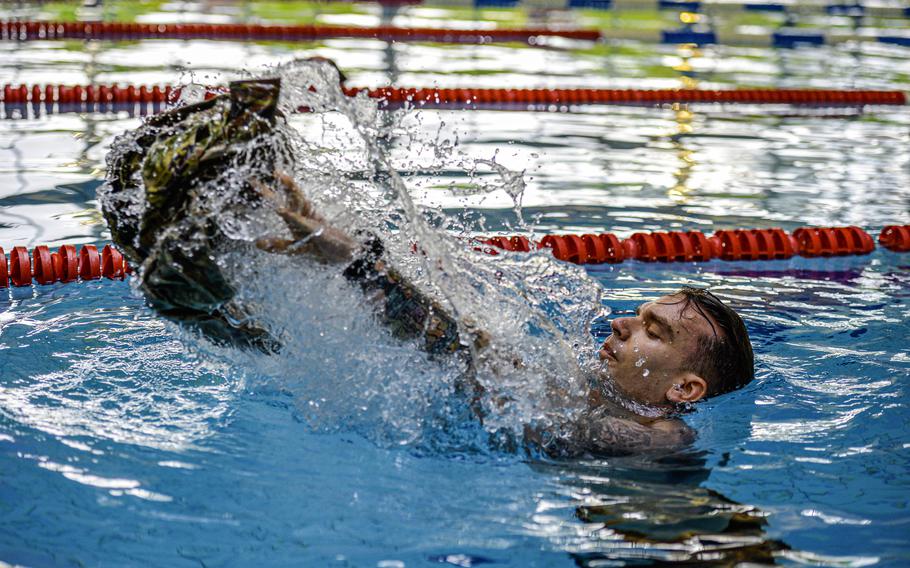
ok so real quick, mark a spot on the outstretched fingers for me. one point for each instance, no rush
(311, 233)
(262, 189)
(297, 201)
(301, 227)
(275, 245)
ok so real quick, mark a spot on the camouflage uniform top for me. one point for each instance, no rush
(175, 155)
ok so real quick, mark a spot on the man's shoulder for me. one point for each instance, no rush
(598, 432)
(676, 429)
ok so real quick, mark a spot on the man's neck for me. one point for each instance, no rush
(614, 404)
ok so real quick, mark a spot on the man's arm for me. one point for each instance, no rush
(407, 311)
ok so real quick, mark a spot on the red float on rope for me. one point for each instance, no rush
(44, 266)
(753, 244)
(833, 241)
(499, 242)
(112, 264)
(69, 263)
(20, 270)
(4, 276)
(892, 237)
(570, 248)
(669, 247)
(649, 247)
(518, 244)
(605, 248)
(89, 263)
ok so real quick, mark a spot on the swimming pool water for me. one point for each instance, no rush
(121, 444)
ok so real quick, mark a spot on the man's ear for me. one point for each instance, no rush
(687, 387)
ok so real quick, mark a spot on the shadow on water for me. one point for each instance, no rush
(82, 222)
(82, 194)
(654, 511)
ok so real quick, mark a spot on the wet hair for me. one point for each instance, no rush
(724, 359)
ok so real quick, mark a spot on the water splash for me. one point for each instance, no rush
(342, 366)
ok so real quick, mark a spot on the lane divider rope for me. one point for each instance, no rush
(124, 31)
(66, 265)
(813, 97)
(786, 37)
(146, 99)
(695, 246)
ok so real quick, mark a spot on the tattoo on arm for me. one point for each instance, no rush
(597, 433)
(614, 435)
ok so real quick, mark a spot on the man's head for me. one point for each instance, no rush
(680, 348)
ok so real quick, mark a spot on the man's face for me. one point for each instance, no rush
(645, 354)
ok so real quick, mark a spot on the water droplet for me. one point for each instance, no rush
(640, 362)
(646, 372)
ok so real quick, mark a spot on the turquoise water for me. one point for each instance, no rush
(123, 442)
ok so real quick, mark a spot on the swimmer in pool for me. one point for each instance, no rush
(695, 346)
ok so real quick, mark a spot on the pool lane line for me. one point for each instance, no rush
(124, 31)
(66, 265)
(695, 246)
(465, 98)
(19, 101)
(787, 37)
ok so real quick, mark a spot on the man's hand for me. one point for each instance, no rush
(312, 235)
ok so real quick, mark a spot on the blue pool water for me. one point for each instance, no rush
(125, 443)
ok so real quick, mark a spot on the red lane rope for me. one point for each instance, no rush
(149, 99)
(120, 31)
(66, 265)
(569, 97)
(694, 246)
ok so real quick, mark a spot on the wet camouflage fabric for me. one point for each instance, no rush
(172, 236)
